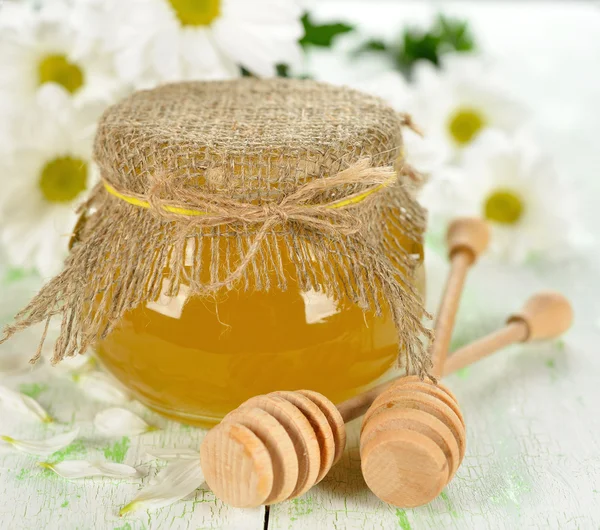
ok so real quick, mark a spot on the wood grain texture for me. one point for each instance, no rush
(513, 333)
(466, 239)
(306, 445)
(412, 442)
(281, 474)
(440, 391)
(320, 425)
(397, 419)
(335, 419)
(544, 316)
(415, 461)
(445, 317)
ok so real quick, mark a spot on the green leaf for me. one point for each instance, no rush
(373, 45)
(455, 34)
(314, 35)
(246, 73)
(322, 34)
(445, 35)
(283, 70)
(418, 46)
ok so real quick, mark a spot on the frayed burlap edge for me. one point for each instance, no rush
(124, 251)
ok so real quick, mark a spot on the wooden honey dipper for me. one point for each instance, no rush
(277, 446)
(400, 463)
(413, 436)
(545, 316)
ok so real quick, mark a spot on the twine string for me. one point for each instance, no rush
(172, 201)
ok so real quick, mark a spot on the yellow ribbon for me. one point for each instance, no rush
(341, 203)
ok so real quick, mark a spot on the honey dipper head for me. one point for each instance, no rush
(412, 442)
(272, 448)
(547, 315)
(467, 234)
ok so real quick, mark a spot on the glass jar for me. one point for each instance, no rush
(295, 195)
(196, 358)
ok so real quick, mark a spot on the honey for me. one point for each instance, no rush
(195, 358)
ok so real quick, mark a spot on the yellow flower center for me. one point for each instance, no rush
(504, 206)
(196, 12)
(464, 124)
(58, 69)
(63, 179)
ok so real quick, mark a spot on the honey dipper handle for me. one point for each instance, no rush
(510, 334)
(544, 316)
(356, 406)
(444, 323)
(467, 238)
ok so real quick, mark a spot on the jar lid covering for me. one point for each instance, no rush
(253, 139)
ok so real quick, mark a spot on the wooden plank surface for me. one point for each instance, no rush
(33, 497)
(528, 455)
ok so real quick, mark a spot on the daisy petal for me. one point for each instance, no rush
(10, 399)
(148, 43)
(173, 483)
(173, 454)
(74, 469)
(102, 387)
(42, 447)
(121, 422)
(507, 179)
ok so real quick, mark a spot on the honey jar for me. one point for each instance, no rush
(247, 236)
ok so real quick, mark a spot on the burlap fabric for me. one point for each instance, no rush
(280, 167)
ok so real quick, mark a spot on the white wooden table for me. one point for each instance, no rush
(532, 412)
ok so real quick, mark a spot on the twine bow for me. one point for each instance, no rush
(209, 209)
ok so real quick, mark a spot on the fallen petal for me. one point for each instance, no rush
(9, 399)
(74, 469)
(121, 422)
(42, 447)
(173, 454)
(176, 481)
(102, 387)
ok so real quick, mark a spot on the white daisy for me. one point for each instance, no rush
(44, 177)
(455, 103)
(37, 48)
(510, 183)
(169, 40)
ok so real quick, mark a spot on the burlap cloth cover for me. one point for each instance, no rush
(281, 166)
